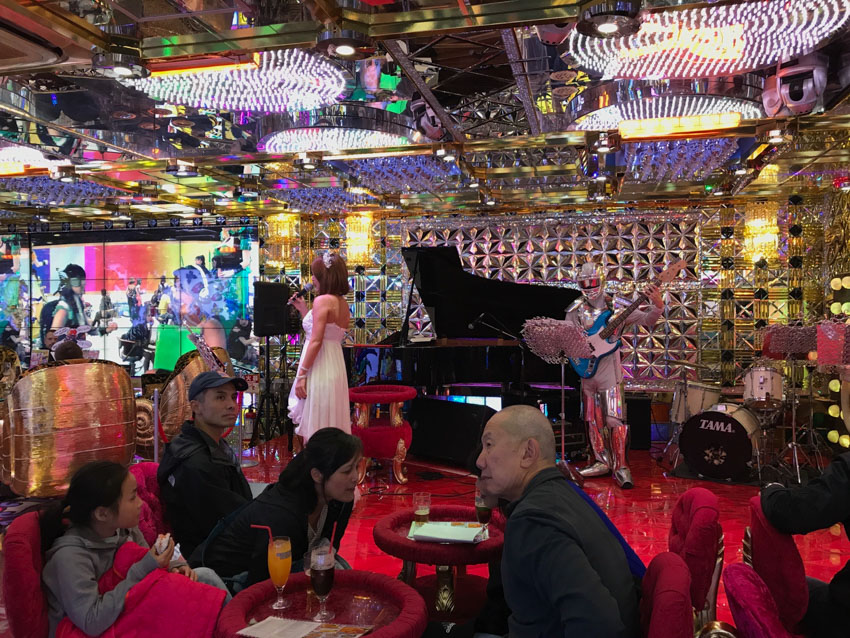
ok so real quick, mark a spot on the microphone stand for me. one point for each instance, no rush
(503, 332)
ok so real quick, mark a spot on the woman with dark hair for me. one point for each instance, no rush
(319, 396)
(69, 311)
(93, 565)
(312, 499)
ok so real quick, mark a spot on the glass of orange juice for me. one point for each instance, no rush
(280, 564)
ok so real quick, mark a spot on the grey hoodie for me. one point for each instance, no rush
(75, 563)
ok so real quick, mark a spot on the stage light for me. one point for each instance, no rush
(665, 126)
(608, 28)
(725, 40)
(835, 385)
(776, 136)
(279, 81)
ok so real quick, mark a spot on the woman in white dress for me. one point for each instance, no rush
(319, 397)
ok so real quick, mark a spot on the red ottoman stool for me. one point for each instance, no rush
(383, 437)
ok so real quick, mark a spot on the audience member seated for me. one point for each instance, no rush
(67, 350)
(200, 480)
(820, 504)
(311, 500)
(563, 571)
(100, 574)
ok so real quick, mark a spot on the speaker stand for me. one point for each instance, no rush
(268, 408)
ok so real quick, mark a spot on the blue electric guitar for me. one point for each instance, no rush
(599, 336)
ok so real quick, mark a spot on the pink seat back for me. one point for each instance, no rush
(695, 536)
(777, 561)
(152, 519)
(26, 605)
(751, 603)
(665, 606)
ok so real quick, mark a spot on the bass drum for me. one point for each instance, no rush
(719, 442)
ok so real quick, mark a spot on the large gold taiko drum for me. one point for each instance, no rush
(174, 406)
(64, 416)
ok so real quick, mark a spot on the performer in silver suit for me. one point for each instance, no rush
(603, 400)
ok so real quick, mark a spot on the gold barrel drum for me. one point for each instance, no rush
(64, 416)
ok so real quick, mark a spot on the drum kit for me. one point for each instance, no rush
(729, 441)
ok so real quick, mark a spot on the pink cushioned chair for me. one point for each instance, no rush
(751, 603)
(26, 605)
(152, 521)
(665, 606)
(775, 558)
(696, 536)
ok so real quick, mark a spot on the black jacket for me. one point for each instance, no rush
(239, 547)
(564, 573)
(820, 504)
(200, 483)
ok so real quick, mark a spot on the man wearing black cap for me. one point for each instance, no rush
(199, 477)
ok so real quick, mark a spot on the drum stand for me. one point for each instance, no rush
(793, 446)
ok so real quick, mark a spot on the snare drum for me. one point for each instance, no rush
(719, 443)
(763, 388)
(700, 397)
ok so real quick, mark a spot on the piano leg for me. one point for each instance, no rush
(398, 463)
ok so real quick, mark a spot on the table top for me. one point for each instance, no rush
(357, 598)
(390, 534)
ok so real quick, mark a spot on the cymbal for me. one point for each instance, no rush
(686, 364)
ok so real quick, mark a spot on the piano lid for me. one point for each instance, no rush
(454, 298)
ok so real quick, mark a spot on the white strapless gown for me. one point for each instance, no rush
(326, 405)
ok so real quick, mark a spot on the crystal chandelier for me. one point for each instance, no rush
(727, 39)
(276, 81)
(605, 106)
(358, 239)
(336, 128)
(761, 231)
(283, 240)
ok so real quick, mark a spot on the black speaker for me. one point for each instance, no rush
(271, 311)
(446, 431)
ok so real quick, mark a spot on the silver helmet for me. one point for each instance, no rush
(591, 280)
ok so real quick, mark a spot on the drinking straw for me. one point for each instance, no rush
(267, 528)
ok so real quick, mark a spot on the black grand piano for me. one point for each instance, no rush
(478, 323)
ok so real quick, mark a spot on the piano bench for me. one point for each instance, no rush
(382, 440)
(365, 396)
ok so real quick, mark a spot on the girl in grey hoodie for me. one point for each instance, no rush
(103, 507)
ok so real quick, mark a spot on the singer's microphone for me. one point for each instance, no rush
(303, 292)
(472, 325)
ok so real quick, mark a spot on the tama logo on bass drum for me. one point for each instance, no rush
(717, 426)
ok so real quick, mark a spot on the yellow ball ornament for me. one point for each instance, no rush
(835, 385)
(834, 410)
(844, 440)
(832, 436)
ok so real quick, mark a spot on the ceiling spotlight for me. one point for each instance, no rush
(345, 43)
(601, 178)
(605, 143)
(122, 60)
(490, 201)
(741, 170)
(440, 152)
(448, 157)
(607, 18)
(304, 163)
(474, 184)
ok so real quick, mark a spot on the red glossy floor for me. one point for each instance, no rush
(642, 514)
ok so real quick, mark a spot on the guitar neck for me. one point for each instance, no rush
(621, 317)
